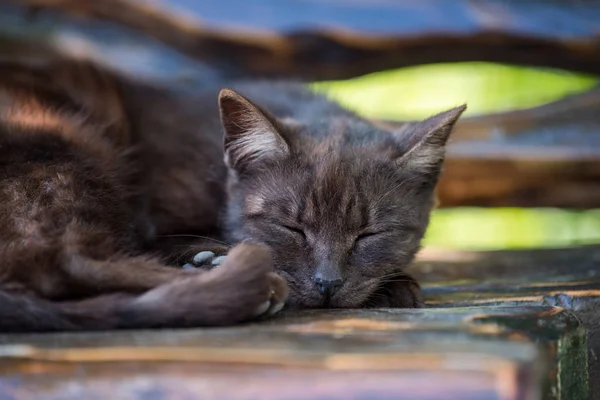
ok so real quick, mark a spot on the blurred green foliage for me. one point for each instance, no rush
(417, 92)
(512, 228)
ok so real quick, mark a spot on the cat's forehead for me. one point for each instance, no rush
(345, 133)
(336, 191)
(353, 192)
(354, 173)
(336, 178)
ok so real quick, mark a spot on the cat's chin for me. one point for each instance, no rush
(346, 298)
(398, 294)
(321, 304)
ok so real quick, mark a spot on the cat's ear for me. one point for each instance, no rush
(251, 134)
(423, 144)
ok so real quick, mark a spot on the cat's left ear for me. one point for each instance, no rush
(251, 134)
(423, 144)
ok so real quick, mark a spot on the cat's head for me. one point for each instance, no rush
(342, 204)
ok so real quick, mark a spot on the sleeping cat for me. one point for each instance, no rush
(342, 205)
(106, 183)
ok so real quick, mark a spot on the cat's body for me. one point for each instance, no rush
(341, 205)
(75, 220)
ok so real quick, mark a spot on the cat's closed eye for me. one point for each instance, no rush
(365, 236)
(295, 231)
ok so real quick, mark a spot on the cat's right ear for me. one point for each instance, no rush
(251, 134)
(424, 143)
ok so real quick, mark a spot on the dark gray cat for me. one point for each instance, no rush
(342, 205)
(102, 182)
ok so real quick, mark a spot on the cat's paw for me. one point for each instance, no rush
(242, 288)
(403, 292)
(246, 276)
(277, 296)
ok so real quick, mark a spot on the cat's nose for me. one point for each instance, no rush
(328, 287)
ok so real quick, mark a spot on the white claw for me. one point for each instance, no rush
(263, 308)
(203, 256)
(276, 308)
(218, 260)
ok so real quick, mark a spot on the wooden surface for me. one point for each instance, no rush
(505, 325)
(500, 325)
(469, 353)
(496, 175)
(566, 278)
(340, 39)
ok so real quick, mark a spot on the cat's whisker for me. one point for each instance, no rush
(396, 280)
(366, 284)
(396, 275)
(372, 300)
(186, 254)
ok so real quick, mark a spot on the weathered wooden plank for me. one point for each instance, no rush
(386, 354)
(332, 40)
(567, 278)
(496, 175)
(28, 39)
(173, 381)
(476, 352)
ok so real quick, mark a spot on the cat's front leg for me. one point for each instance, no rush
(243, 288)
(401, 291)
